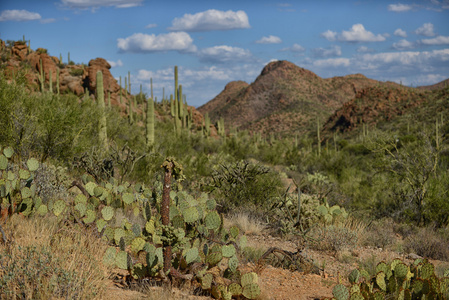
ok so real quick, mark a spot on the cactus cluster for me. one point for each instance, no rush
(17, 189)
(129, 217)
(396, 280)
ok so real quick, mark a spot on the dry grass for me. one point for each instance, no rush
(44, 260)
(247, 224)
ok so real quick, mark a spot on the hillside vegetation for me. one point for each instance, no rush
(155, 183)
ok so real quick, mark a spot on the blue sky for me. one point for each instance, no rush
(214, 42)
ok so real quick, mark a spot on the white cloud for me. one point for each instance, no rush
(295, 48)
(329, 35)
(223, 54)
(364, 49)
(271, 39)
(149, 26)
(426, 30)
(114, 64)
(84, 4)
(400, 32)
(332, 62)
(403, 45)
(173, 41)
(399, 7)
(327, 52)
(47, 21)
(357, 33)
(439, 40)
(18, 15)
(211, 19)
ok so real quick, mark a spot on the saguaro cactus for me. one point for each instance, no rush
(150, 123)
(102, 132)
(41, 76)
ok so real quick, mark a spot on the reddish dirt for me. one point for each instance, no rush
(283, 284)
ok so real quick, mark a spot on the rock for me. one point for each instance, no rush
(48, 64)
(109, 82)
(413, 256)
(20, 50)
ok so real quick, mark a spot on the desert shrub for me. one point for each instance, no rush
(45, 260)
(429, 242)
(76, 72)
(379, 234)
(334, 238)
(243, 183)
(51, 182)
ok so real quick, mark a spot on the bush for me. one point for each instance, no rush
(430, 243)
(243, 183)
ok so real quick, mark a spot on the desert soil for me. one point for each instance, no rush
(283, 284)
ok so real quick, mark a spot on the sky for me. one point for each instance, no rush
(214, 42)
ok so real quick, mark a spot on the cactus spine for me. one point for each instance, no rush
(102, 132)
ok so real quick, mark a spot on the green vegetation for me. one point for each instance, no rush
(331, 192)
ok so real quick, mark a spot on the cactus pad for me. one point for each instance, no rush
(90, 187)
(427, 270)
(98, 191)
(354, 276)
(235, 289)
(149, 227)
(228, 250)
(26, 192)
(107, 212)
(234, 231)
(233, 263)
(59, 207)
(100, 224)
(191, 255)
(212, 220)
(249, 278)
(206, 281)
(356, 296)
(340, 292)
(42, 209)
(81, 208)
(400, 270)
(214, 258)
(128, 198)
(380, 280)
(24, 174)
(8, 152)
(80, 198)
(121, 260)
(109, 256)
(118, 234)
(190, 215)
(211, 204)
(90, 216)
(251, 291)
(137, 244)
(3, 162)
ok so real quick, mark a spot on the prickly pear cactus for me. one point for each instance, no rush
(396, 281)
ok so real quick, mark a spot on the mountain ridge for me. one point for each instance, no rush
(286, 99)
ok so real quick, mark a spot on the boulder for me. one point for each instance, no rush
(20, 50)
(48, 64)
(109, 82)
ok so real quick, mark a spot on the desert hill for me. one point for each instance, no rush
(286, 99)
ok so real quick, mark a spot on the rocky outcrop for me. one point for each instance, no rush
(20, 50)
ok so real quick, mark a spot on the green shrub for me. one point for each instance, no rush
(244, 183)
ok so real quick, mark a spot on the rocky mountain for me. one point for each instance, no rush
(287, 99)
